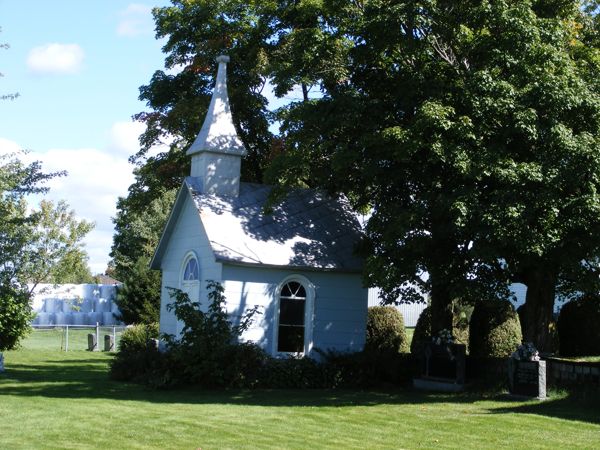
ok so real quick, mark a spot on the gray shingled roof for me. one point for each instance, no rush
(308, 229)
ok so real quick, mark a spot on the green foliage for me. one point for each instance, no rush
(56, 248)
(15, 316)
(208, 349)
(495, 330)
(471, 130)
(138, 230)
(138, 358)
(385, 330)
(461, 314)
(138, 298)
(578, 327)
(137, 233)
(138, 337)
(32, 244)
(422, 333)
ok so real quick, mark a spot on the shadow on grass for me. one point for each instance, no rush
(88, 378)
(582, 405)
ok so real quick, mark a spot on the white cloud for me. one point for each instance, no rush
(135, 20)
(55, 59)
(7, 146)
(125, 136)
(94, 181)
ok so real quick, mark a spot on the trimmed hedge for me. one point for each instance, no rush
(578, 327)
(385, 330)
(422, 333)
(460, 329)
(495, 329)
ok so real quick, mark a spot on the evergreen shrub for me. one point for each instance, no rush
(137, 358)
(422, 332)
(495, 329)
(578, 327)
(461, 313)
(385, 330)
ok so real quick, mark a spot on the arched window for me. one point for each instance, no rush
(294, 324)
(189, 280)
(190, 273)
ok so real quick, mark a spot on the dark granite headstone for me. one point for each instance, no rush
(92, 344)
(109, 343)
(445, 362)
(527, 378)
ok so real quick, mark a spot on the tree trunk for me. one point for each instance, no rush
(539, 308)
(441, 305)
(304, 92)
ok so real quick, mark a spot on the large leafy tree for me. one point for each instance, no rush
(472, 130)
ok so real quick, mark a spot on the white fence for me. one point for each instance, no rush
(76, 337)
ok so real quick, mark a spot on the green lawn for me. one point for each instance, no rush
(54, 399)
(409, 334)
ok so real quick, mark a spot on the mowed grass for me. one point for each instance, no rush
(54, 399)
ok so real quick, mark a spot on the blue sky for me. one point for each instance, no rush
(77, 66)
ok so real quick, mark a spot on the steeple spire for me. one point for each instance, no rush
(217, 150)
(218, 132)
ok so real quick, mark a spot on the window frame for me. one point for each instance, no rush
(309, 289)
(190, 287)
(186, 259)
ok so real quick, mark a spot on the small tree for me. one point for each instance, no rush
(208, 348)
(139, 297)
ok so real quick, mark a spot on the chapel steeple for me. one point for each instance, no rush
(217, 150)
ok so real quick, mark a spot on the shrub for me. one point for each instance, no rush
(422, 333)
(208, 350)
(578, 327)
(15, 316)
(138, 337)
(495, 330)
(461, 313)
(137, 358)
(385, 330)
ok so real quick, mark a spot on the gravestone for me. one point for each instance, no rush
(443, 368)
(92, 344)
(527, 378)
(109, 343)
